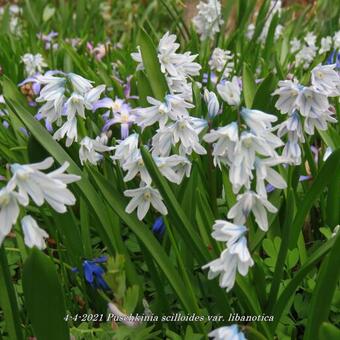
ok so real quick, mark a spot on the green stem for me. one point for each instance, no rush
(279, 267)
(9, 303)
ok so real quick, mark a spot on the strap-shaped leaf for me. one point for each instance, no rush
(324, 290)
(44, 298)
(185, 227)
(152, 66)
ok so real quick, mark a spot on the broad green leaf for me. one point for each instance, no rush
(152, 66)
(249, 86)
(326, 284)
(44, 298)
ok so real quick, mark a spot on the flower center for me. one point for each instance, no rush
(4, 200)
(124, 117)
(147, 195)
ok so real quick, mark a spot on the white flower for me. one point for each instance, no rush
(221, 60)
(172, 108)
(235, 258)
(224, 139)
(227, 333)
(126, 148)
(293, 128)
(230, 91)
(208, 20)
(326, 80)
(70, 130)
(250, 31)
(212, 103)
(41, 186)
(174, 167)
(311, 101)
(90, 149)
(257, 121)
(183, 131)
(326, 44)
(142, 198)
(278, 31)
(336, 40)
(137, 56)
(79, 83)
(251, 202)
(34, 63)
(305, 56)
(225, 231)
(175, 64)
(9, 209)
(295, 45)
(288, 91)
(54, 87)
(265, 172)
(162, 142)
(327, 153)
(310, 39)
(134, 166)
(246, 149)
(34, 236)
(318, 120)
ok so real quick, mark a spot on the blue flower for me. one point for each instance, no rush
(93, 273)
(334, 57)
(158, 227)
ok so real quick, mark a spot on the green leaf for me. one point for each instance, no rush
(144, 89)
(8, 301)
(262, 99)
(44, 298)
(326, 284)
(116, 202)
(249, 86)
(288, 292)
(329, 332)
(323, 179)
(181, 222)
(152, 66)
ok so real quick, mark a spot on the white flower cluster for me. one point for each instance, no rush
(221, 61)
(129, 158)
(275, 7)
(306, 103)
(66, 95)
(308, 49)
(31, 182)
(177, 67)
(249, 151)
(177, 131)
(34, 63)
(235, 258)
(90, 149)
(208, 20)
